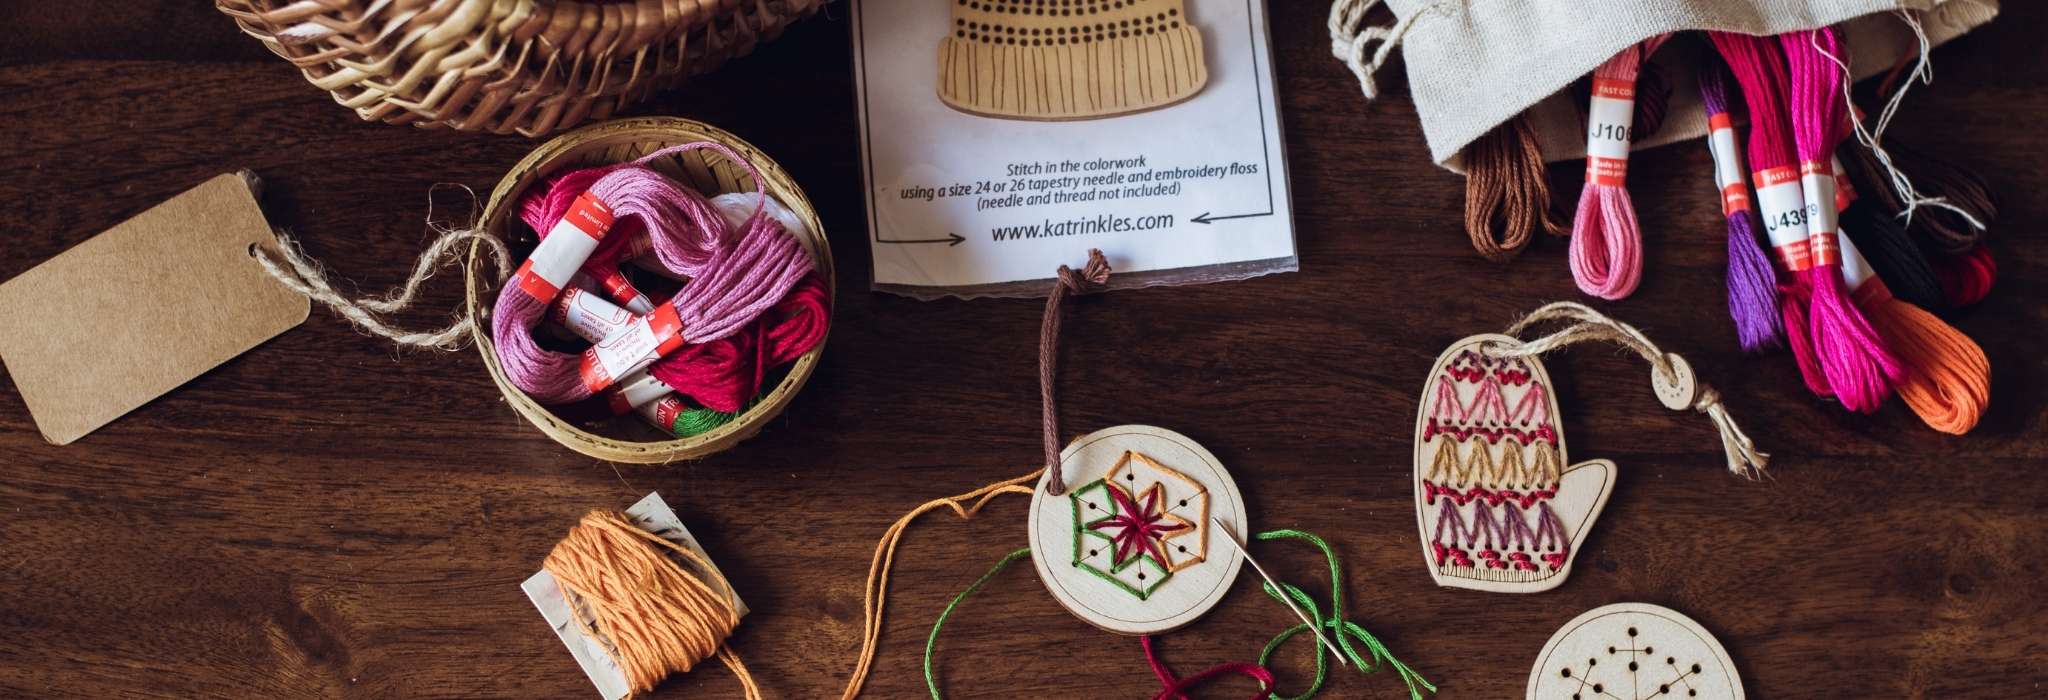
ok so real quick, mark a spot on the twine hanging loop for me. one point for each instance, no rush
(1670, 375)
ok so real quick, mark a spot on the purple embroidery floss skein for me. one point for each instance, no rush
(734, 275)
(1752, 287)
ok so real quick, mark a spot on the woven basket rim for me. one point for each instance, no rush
(497, 215)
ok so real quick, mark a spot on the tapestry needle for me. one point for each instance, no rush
(1312, 627)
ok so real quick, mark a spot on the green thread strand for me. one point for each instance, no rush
(698, 421)
(931, 680)
(1344, 630)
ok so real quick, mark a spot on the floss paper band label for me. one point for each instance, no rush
(621, 290)
(1782, 202)
(562, 253)
(662, 412)
(587, 315)
(1855, 269)
(1727, 164)
(1608, 119)
(632, 348)
(1823, 219)
(586, 644)
(636, 391)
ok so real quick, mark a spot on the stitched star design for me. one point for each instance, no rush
(1141, 530)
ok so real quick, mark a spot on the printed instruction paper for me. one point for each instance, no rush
(1002, 140)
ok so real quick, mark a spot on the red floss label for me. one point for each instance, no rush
(1607, 123)
(622, 291)
(588, 315)
(568, 244)
(1782, 203)
(637, 390)
(1845, 192)
(663, 412)
(1855, 269)
(1727, 164)
(632, 348)
(1823, 220)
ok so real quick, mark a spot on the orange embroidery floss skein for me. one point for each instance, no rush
(655, 617)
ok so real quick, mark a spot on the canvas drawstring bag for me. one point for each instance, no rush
(1475, 64)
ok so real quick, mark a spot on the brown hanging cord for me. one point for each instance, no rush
(1092, 278)
(1506, 186)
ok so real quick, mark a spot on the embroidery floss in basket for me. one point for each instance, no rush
(1859, 367)
(1606, 247)
(1752, 288)
(654, 617)
(735, 275)
(720, 375)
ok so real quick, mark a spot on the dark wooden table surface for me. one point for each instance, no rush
(326, 516)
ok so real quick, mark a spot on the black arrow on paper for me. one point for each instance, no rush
(951, 239)
(1206, 218)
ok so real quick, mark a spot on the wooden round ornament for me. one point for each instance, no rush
(1633, 650)
(1133, 546)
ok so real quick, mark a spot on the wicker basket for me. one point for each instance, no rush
(530, 66)
(710, 173)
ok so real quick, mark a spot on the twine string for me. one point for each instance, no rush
(1093, 277)
(1589, 326)
(653, 616)
(289, 264)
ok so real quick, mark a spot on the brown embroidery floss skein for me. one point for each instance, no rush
(1507, 192)
(653, 616)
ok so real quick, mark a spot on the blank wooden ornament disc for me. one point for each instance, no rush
(1633, 651)
(1498, 508)
(1130, 547)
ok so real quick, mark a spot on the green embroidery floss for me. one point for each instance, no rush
(1343, 630)
(931, 680)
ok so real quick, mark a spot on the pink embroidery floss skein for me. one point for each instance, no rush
(734, 276)
(1759, 69)
(1606, 248)
(1860, 368)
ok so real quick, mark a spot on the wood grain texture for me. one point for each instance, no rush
(326, 516)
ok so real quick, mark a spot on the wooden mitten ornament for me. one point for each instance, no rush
(1633, 650)
(1132, 545)
(1499, 504)
(1499, 511)
(1069, 59)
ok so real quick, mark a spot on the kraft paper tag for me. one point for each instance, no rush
(134, 312)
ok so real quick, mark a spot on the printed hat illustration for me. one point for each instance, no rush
(1498, 509)
(1069, 59)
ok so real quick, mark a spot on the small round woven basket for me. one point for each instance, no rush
(710, 173)
(528, 66)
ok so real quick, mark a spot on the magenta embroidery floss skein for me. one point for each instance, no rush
(1859, 367)
(1606, 248)
(1759, 68)
(1752, 287)
(734, 276)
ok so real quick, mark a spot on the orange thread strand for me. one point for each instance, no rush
(873, 595)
